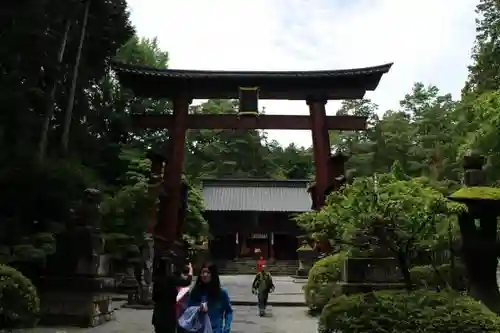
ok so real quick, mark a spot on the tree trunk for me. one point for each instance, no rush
(405, 269)
(71, 98)
(49, 106)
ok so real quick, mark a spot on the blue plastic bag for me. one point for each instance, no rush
(194, 321)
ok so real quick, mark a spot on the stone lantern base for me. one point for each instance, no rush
(75, 301)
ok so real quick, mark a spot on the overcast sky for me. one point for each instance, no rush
(428, 41)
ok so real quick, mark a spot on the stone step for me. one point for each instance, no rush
(249, 267)
(245, 272)
(269, 267)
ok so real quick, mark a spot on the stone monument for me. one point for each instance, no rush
(73, 291)
(146, 283)
(306, 256)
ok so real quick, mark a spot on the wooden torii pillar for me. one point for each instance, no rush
(169, 226)
(321, 150)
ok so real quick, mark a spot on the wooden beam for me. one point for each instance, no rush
(265, 122)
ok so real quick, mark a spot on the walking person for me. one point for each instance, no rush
(260, 262)
(262, 285)
(212, 299)
(165, 289)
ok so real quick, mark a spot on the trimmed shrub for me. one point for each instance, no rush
(427, 277)
(403, 312)
(19, 303)
(322, 282)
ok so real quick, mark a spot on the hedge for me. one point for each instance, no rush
(427, 277)
(322, 282)
(402, 312)
(19, 303)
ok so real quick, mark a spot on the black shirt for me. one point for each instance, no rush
(165, 298)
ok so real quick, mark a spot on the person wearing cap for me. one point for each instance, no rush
(262, 285)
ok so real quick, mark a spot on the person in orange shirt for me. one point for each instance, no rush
(260, 263)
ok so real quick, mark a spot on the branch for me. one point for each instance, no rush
(414, 235)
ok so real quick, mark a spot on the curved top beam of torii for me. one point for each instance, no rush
(285, 85)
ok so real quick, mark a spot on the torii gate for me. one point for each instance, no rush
(181, 86)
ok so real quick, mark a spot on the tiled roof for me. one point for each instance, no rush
(288, 85)
(205, 74)
(256, 195)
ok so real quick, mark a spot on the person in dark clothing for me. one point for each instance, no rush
(262, 285)
(165, 298)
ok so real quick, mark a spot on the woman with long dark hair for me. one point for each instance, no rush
(212, 298)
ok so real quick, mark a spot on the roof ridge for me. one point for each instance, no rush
(384, 68)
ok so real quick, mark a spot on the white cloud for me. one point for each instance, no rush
(428, 41)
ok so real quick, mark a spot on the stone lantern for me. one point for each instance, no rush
(306, 255)
(478, 228)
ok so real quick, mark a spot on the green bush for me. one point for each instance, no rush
(19, 303)
(322, 282)
(402, 312)
(427, 277)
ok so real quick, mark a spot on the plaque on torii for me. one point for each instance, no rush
(181, 86)
(248, 101)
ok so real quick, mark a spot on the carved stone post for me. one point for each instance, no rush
(146, 284)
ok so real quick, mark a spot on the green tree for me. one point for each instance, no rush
(383, 213)
(226, 153)
(484, 73)
(360, 145)
(433, 123)
(482, 136)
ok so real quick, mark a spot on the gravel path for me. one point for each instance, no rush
(245, 320)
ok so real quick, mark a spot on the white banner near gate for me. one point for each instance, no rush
(258, 236)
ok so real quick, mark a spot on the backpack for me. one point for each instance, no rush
(266, 279)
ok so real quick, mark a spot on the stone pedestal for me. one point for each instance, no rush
(73, 293)
(361, 275)
(75, 301)
(129, 284)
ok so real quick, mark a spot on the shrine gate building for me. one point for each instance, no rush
(249, 218)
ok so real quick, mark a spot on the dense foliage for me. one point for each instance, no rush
(399, 311)
(440, 277)
(19, 303)
(322, 282)
(384, 215)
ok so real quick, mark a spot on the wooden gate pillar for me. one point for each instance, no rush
(321, 149)
(169, 222)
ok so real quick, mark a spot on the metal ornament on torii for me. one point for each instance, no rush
(181, 86)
